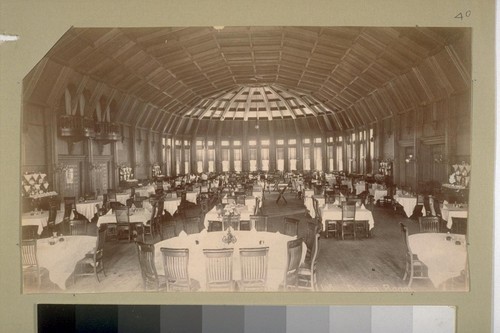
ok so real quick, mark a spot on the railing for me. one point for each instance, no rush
(80, 127)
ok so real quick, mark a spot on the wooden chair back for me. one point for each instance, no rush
(219, 269)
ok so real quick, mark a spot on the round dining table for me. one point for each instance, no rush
(60, 259)
(445, 255)
(277, 255)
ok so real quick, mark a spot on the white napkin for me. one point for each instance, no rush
(182, 234)
(110, 212)
(445, 202)
(359, 204)
(362, 206)
(203, 232)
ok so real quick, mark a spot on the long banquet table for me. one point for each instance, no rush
(277, 255)
(444, 258)
(334, 212)
(60, 259)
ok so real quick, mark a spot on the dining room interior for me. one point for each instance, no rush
(247, 159)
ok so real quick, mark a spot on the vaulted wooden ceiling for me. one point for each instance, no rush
(182, 80)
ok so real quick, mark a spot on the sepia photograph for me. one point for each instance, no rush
(247, 159)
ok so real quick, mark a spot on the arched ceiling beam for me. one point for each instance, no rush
(247, 104)
(266, 103)
(230, 102)
(285, 102)
(30, 85)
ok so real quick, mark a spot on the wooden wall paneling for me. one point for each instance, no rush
(31, 81)
(71, 182)
(51, 152)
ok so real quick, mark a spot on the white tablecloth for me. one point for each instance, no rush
(334, 212)
(212, 215)
(140, 215)
(40, 219)
(359, 188)
(445, 259)
(171, 204)
(449, 211)
(277, 255)
(308, 202)
(60, 259)
(378, 194)
(145, 191)
(408, 202)
(191, 196)
(88, 208)
(122, 197)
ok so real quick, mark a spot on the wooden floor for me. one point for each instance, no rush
(368, 265)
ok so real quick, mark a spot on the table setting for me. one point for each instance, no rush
(445, 255)
(277, 254)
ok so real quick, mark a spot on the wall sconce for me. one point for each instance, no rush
(410, 158)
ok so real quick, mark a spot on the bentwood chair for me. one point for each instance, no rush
(151, 225)
(348, 219)
(150, 278)
(168, 231)
(414, 268)
(69, 206)
(219, 269)
(214, 225)
(290, 226)
(231, 221)
(51, 221)
(307, 272)
(30, 261)
(253, 263)
(77, 227)
(459, 225)
(429, 224)
(258, 222)
(191, 225)
(29, 232)
(93, 262)
(175, 265)
(312, 230)
(240, 199)
(123, 222)
(293, 258)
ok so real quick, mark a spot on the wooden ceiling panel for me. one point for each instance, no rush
(369, 72)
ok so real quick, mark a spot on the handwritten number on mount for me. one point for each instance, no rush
(461, 15)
